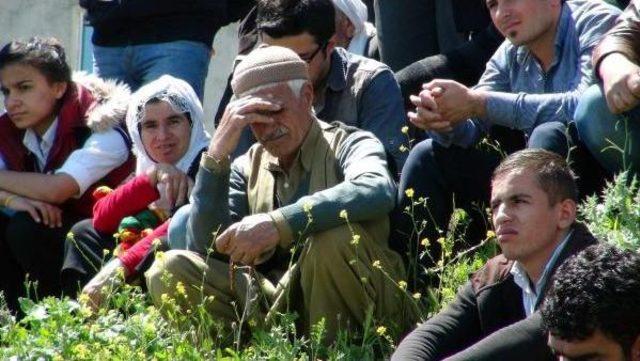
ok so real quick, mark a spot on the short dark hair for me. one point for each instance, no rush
(598, 289)
(551, 171)
(280, 18)
(45, 54)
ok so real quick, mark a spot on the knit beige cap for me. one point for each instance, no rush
(265, 65)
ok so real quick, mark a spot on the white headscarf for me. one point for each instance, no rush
(356, 11)
(179, 94)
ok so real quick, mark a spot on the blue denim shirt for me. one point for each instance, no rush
(520, 94)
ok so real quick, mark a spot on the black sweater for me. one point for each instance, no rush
(125, 22)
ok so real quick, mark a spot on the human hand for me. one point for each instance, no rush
(238, 114)
(41, 212)
(455, 101)
(427, 116)
(110, 276)
(620, 82)
(249, 241)
(174, 185)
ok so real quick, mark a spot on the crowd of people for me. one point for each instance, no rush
(330, 128)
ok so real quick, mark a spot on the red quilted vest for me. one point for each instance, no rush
(71, 133)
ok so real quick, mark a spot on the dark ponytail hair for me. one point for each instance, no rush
(45, 54)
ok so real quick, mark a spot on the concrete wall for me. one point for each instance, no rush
(63, 20)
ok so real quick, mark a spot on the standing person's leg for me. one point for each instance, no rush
(38, 250)
(407, 31)
(84, 255)
(187, 60)
(113, 63)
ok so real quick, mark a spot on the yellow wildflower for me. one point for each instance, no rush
(416, 296)
(307, 207)
(180, 288)
(105, 252)
(425, 242)
(409, 192)
(164, 298)
(381, 330)
(491, 234)
(402, 285)
(159, 255)
(355, 240)
(405, 130)
(403, 148)
(376, 264)
(343, 214)
(70, 235)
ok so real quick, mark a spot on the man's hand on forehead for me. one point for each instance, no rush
(240, 113)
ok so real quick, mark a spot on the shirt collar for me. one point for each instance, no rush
(305, 153)
(40, 146)
(565, 21)
(521, 278)
(337, 77)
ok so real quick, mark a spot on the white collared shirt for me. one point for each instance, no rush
(531, 292)
(101, 153)
(41, 146)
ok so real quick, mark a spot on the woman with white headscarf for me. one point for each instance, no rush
(353, 31)
(164, 120)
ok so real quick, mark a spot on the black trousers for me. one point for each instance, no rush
(84, 255)
(30, 251)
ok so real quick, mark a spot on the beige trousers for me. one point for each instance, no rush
(334, 278)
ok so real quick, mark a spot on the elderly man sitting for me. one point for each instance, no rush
(307, 206)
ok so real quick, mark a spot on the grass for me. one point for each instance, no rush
(130, 327)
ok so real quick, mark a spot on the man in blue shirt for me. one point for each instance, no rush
(531, 84)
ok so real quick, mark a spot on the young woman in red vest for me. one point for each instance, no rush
(59, 140)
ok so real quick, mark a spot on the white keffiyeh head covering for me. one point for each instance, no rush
(181, 97)
(356, 11)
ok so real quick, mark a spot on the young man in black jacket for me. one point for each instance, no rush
(533, 202)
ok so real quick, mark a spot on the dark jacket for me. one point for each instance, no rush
(124, 22)
(623, 38)
(490, 301)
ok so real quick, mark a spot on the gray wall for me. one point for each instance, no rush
(62, 19)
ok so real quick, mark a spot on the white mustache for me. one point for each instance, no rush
(275, 134)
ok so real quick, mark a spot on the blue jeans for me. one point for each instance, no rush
(599, 129)
(137, 65)
(178, 228)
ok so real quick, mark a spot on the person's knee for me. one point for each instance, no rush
(335, 245)
(592, 104)
(166, 271)
(21, 230)
(551, 136)
(178, 228)
(419, 161)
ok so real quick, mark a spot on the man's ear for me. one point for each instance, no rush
(635, 350)
(331, 44)
(566, 213)
(306, 94)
